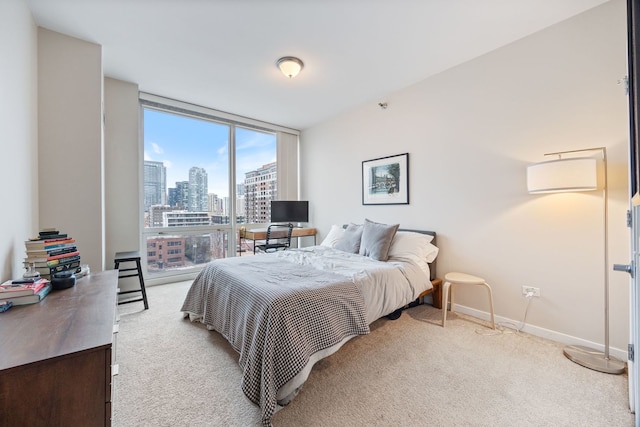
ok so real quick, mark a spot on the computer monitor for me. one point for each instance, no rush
(289, 211)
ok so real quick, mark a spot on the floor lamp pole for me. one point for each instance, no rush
(585, 356)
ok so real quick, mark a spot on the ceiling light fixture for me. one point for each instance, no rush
(290, 66)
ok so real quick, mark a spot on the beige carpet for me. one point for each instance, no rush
(407, 372)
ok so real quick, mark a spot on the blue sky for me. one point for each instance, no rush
(182, 142)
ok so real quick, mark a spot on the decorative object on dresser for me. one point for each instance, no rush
(60, 352)
(63, 280)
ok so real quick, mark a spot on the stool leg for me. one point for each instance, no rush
(116, 267)
(493, 321)
(142, 288)
(452, 296)
(445, 300)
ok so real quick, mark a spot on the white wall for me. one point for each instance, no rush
(18, 135)
(122, 166)
(69, 160)
(122, 172)
(470, 132)
(70, 141)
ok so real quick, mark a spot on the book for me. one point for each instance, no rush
(46, 258)
(51, 233)
(39, 240)
(62, 260)
(50, 263)
(10, 289)
(28, 262)
(45, 230)
(52, 252)
(25, 280)
(33, 245)
(60, 267)
(55, 268)
(54, 236)
(29, 299)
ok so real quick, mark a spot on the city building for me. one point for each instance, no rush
(155, 184)
(198, 190)
(260, 189)
(179, 196)
(173, 218)
(165, 252)
(156, 215)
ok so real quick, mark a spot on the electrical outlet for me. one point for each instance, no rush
(534, 291)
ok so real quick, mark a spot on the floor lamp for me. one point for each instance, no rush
(580, 174)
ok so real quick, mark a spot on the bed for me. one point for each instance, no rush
(284, 311)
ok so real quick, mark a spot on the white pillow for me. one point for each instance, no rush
(350, 240)
(416, 247)
(334, 235)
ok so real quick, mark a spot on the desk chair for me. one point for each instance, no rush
(278, 238)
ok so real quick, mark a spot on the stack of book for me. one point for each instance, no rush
(52, 252)
(21, 292)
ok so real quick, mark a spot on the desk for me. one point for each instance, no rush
(261, 234)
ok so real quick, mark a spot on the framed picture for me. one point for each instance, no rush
(385, 181)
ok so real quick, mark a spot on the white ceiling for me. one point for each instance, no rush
(222, 53)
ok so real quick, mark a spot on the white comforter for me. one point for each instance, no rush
(385, 286)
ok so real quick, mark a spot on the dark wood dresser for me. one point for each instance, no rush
(56, 356)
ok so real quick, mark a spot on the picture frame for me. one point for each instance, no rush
(385, 180)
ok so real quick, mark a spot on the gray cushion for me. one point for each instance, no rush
(376, 239)
(350, 240)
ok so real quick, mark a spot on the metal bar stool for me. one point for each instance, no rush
(124, 257)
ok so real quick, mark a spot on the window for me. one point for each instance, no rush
(204, 175)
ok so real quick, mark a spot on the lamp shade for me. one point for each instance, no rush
(575, 174)
(290, 66)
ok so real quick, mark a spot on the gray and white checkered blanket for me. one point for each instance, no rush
(276, 314)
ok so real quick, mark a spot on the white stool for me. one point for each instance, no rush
(451, 279)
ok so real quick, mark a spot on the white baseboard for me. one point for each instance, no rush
(542, 332)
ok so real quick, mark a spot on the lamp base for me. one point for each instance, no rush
(593, 359)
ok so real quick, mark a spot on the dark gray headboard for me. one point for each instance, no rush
(432, 266)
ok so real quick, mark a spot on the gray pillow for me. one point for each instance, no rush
(376, 239)
(350, 240)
